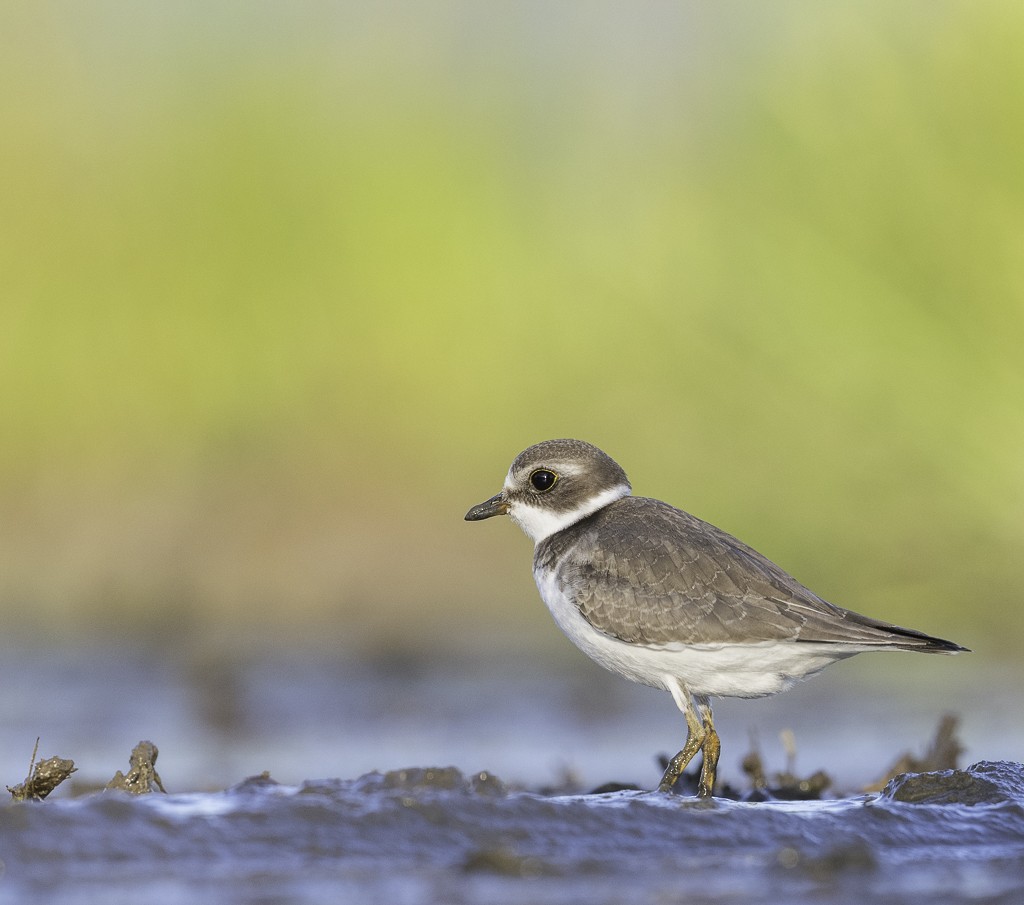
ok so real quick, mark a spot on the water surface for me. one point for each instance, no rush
(462, 777)
(437, 835)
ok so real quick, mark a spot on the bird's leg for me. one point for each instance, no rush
(695, 737)
(712, 748)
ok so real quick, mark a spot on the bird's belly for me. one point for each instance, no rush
(741, 670)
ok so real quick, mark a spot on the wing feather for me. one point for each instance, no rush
(647, 573)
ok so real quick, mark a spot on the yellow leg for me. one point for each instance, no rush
(700, 736)
(712, 748)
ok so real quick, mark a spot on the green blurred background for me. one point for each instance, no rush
(285, 287)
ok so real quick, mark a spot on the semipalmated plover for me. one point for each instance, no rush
(663, 598)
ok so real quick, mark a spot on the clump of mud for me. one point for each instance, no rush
(787, 784)
(142, 775)
(43, 777)
(910, 778)
(981, 783)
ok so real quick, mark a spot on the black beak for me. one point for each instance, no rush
(496, 505)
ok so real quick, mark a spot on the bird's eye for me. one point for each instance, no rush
(543, 480)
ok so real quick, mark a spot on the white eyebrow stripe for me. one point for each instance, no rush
(565, 469)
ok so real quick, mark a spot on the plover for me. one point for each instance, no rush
(665, 599)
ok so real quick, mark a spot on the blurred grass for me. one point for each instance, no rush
(286, 287)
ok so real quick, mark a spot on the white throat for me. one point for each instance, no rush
(539, 524)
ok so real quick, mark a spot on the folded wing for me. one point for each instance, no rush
(676, 580)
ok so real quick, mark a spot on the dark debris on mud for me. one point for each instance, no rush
(142, 775)
(903, 781)
(426, 834)
(43, 777)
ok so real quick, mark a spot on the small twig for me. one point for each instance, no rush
(32, 763)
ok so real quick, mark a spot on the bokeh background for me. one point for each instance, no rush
(285, 287)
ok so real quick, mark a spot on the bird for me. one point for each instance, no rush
(668, 600)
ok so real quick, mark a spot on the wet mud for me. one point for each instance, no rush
(437, 834)
(540, 826)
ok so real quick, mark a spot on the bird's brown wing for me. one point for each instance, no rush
(644, 572)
